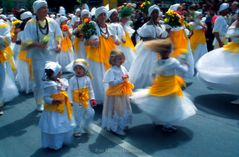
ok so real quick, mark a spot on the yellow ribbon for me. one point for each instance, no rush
(23, 56)
(66, 44)
(128, 42)
(166, 85)
(122, 89)
(81, 96)
(101, 54)
(61, 107)
(232, 47)
(197, 38)
(77, 44)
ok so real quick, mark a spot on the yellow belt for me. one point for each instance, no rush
(81, 96)
(122, 89)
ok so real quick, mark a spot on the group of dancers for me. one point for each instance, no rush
(109, 69)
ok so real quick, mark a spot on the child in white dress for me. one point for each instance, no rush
(82, 95)
(164, 100)
(117, 112)
(57, 121)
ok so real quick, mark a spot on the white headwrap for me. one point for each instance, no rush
(38, 4)
(85, 12)
(223, 6)
(54, 66)
(85, 6)
(63, 18)
(111, 12)
(53, 16)
(174, 7)
(25, 15)
(77, 10)
(82, 63)
(4, 17)
(62, 11)
(197, 13)
(152, 8)
(99, 11)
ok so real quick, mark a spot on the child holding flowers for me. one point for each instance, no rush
(82, 95)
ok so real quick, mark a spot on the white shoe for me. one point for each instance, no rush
(40, 108)
(120, 132)
(1, 112)
(235, 101)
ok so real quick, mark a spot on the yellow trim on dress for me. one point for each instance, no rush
(128, 42)
(232, 47)
(123, 89)
(81, 96)
(66, 44)
(197, 38)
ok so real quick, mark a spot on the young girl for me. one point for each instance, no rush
(164, 100)
(117, 112)
(57, 120)
(82, 95)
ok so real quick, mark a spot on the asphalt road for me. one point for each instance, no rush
(213, 132)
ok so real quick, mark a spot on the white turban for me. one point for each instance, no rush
(82, 63)
(54, 66)
(77, 10)
(63, 18)
(85, 12)
(174, 7)
(223, 6)
(100, 10)
(38, 4)
(197, 13)
(25, 15)
(152, 8)
(4, 17)
(111, 12)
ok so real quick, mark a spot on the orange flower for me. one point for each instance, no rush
(64, 28)
(86, 20)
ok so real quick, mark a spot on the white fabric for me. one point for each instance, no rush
(152, 8)
(85, 12)
(100, 10)
(174, 7)
(54, 66)
(220, 26)
(223, 6)
(64, 58)
(111, 12)
(152, 31)
(26, 15)
(117, 31)
(38, 4)
(63, 18)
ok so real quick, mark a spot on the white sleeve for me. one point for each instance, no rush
(70, 89)
(218, 24)
(47, 94)
(92, 94)
(180, 68)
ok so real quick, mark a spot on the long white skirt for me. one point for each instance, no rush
(129, 56)
(199, 52)
(64, 58)
(139, 73)
(219, 69)
(81, 52)
(165, 110)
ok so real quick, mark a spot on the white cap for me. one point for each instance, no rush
(85, 12)
(63, 18)
(38, 4)
(174, 7)
(100, 10)
(82, 63)
(111, 12)
(223, 7)
(152, 8)
(54, 66)
(197, 13)
(77, 10)
(26, 15)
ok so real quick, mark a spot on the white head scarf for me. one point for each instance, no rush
(174, 7)
(223, 6)
(85, 12)
(152, 8)
(197, 13)
(38, 4)
(82, 63)
(26, 15)
(54, 66)
(99, 11)
(111, 12)
(63, 18)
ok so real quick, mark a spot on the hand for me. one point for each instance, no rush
(93, 102)
(220, 44)
(42, 46)
(58, 48)
(126, 76)
(57, 101)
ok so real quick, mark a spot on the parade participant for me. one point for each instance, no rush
(117, 114)
(57, 120)
(220, 26)
(138, 72)
(82, 96)
(24, 77)
(66, 55)
(164, 100)
(42, 39)
(98, 55)
(198, 38)
(219, 69)
(8, 89)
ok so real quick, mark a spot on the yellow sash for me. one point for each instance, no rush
(66, 44)
(128, 42)
(61, 107)
(7, 55)
(232, 47)
(81, 96)
(197, 38)
(122, 89)
(23, 56)
(101, 54)
(166, 85)
(180, 43)
(77, 44)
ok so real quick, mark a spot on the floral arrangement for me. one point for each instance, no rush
(45, 39)
(64, 29)
(126, 11)
(173, 19)
(88, 29)
(145, 6)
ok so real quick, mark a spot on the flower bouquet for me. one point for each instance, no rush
(45, 39)
(173, 19)
(64, 29)
(145, 6)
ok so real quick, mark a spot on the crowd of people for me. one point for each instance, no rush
(136, 54)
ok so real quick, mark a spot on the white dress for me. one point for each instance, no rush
(56, 128)
(168, 109)
(219, 68)
(142, 64)
(83, 116)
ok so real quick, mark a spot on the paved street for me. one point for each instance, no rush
(213, 132)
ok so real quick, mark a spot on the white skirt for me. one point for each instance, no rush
(199, 52)
(220, 70)
(167, 109)
(139, 73)
(64, 58)
(129, 56)
(81, 53)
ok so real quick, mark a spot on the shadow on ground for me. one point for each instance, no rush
(219, 105)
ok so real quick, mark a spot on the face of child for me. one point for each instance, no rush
(57, 76)
(119, 60)
(79, 71)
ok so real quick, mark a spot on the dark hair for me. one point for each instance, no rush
(49, 73)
